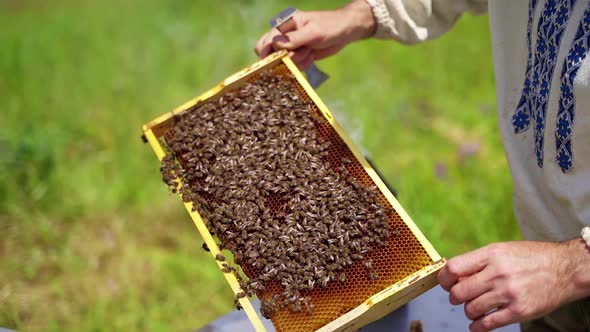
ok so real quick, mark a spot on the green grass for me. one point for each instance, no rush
(90, 240)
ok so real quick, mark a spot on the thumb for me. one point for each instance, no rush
(304, 36)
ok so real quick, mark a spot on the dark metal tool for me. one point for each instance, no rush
(284, 23)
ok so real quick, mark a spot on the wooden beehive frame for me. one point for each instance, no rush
(377, 305)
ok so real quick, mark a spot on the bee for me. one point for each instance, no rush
(372, 275)
(306, 302)
(257, 286)
(324, 281)
(295, 306)
(237, 304)
(416, 326)
(267, 308)
(227, 269)
(342, 277)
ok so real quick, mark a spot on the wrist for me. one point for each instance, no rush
(362, 21)
(577, 256)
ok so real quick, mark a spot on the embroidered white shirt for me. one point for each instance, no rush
(542, 71)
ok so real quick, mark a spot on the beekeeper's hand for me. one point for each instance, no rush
(511, 282)
(320, 34)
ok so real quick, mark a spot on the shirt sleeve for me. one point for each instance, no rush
(415, 21)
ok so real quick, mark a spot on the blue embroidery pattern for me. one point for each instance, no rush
(549, 38)
(565, 115)
(521, 119)
(552, 24)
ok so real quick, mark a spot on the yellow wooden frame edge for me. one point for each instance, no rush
(210, 242)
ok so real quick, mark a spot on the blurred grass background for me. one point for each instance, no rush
(90, 240)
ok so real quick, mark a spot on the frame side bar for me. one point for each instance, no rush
(213, 248)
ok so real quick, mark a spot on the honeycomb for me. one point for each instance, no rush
(402, 255)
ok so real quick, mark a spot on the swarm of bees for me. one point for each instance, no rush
(254, 167)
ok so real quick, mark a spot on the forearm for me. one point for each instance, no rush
(360, 19)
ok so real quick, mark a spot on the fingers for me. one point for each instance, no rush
(462, 266)
(301, 56)
(303, 35)
(492, 321)
(469, 288)
(326, 52)
(274, 39)
(299, 19)
(260, 44)
(306, 63)
(306, 35)
(483, 304)
(264, 45)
